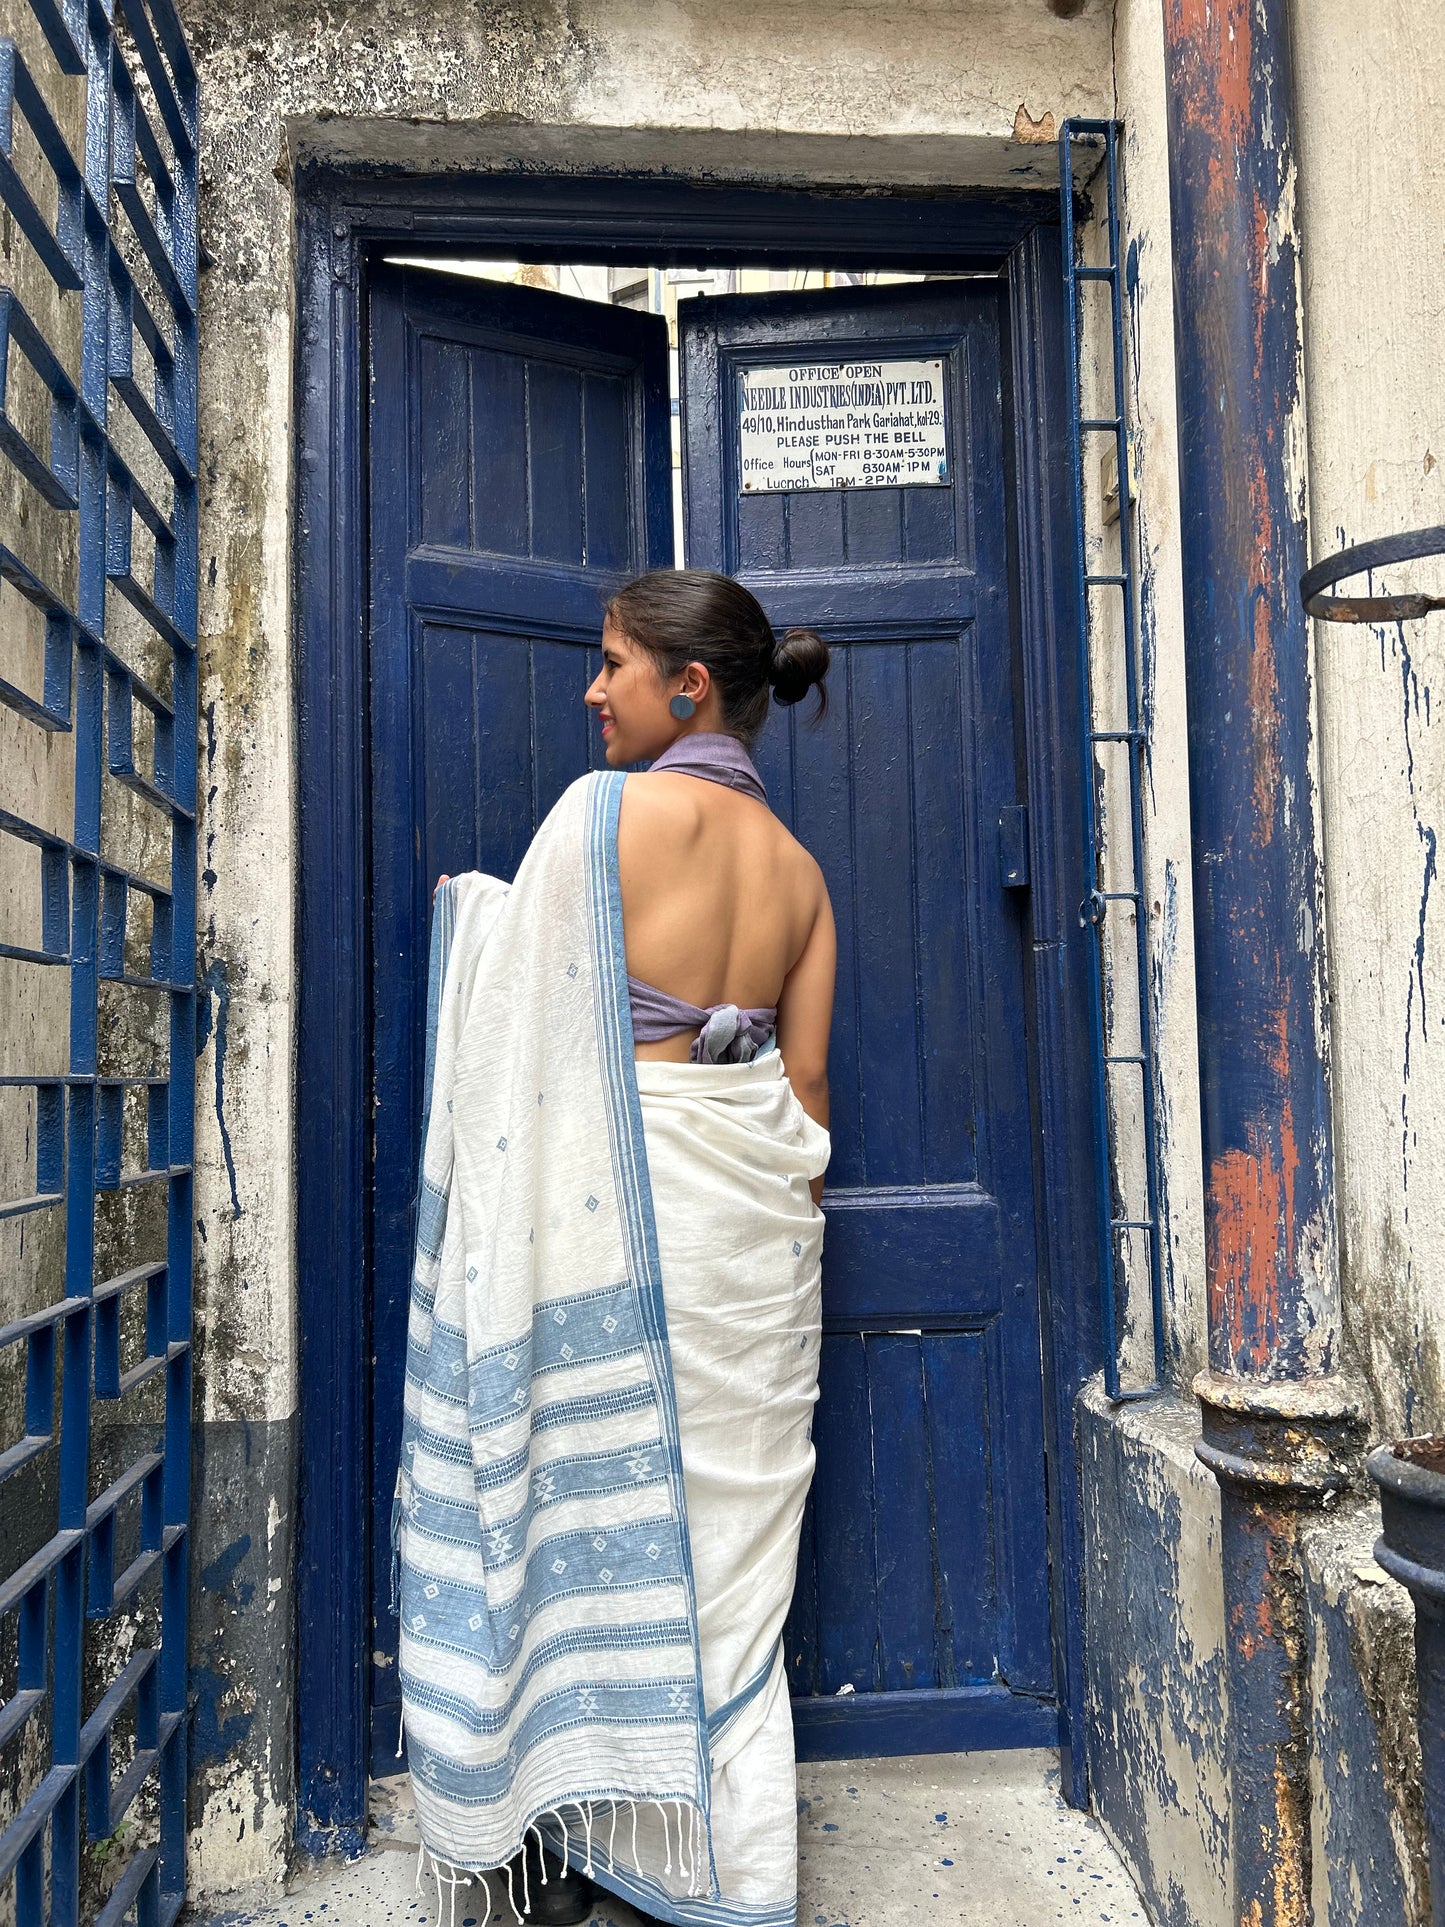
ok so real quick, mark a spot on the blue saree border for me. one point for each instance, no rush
(425, 1202)
(727, 1715)
(639, 1226)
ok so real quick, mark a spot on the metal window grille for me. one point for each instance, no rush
(1113, 752)
(98, 253)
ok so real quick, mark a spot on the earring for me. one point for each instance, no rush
(682, 707)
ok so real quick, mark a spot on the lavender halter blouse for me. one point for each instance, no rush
(725, 1034)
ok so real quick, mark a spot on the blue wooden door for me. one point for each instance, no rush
(921, 1620)
(519, 473)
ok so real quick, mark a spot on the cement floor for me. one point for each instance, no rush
(966, 1840)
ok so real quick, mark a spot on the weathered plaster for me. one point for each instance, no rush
(245, 1288)
(863, 66)
(1155, 1660)
(785, 157)
(1370, 1860)
(242, 1643)
(1157, 1686)
(1372, 199)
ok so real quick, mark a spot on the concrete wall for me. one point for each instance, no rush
(1372, 198)
(945, 81)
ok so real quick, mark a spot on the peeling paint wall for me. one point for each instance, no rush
(1156, 1673)
(1376, 426)
(1372, 196)
(1367, 1806)
(961, 89)
(1158, 1690)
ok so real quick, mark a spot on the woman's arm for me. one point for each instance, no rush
(805, 1017)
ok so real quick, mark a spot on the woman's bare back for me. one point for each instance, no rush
(720, 904)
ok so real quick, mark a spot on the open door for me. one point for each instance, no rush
(844, 455)
(520, 471)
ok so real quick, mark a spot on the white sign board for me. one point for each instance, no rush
(852, 424)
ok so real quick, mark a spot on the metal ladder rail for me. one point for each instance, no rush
(1093, 910)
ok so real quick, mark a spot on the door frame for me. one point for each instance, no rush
(346, 218)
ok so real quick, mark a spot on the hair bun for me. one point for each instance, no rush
(800, 662)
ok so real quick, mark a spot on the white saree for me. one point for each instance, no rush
(611, 1371)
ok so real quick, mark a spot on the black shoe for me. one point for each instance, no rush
(565, 1900)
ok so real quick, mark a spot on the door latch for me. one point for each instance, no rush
(1013, 846)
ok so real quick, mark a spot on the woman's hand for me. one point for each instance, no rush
(439, 882)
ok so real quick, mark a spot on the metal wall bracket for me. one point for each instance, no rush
(1412, 546)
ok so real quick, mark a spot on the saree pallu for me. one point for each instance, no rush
(611, 1370)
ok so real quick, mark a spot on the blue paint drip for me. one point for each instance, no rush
(217, 984)
(1410, 704)
(208, 874)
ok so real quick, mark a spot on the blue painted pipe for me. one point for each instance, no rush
(1279, 1427)
(1272, 1275)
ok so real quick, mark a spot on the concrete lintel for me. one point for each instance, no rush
(500, 144)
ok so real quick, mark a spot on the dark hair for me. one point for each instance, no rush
(695, 615)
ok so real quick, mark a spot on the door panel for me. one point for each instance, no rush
(520, 472)
(923, 1580)
(908, 1505)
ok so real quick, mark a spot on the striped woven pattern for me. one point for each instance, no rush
(549, 1651)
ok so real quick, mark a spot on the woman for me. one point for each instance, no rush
(615, 1317)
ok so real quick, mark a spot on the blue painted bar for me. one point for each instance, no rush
(59, 246)
(86, 1123)
(1113, 1251)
